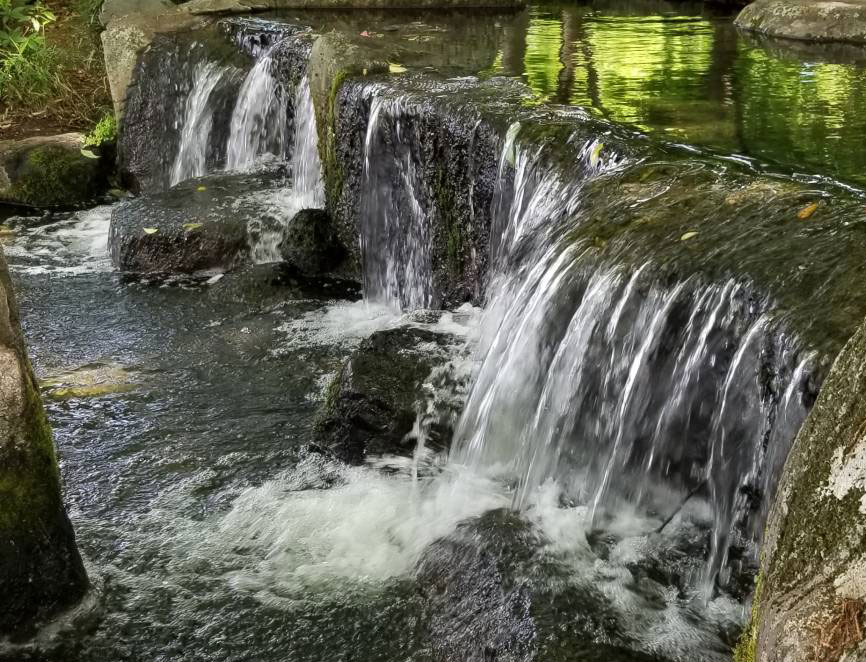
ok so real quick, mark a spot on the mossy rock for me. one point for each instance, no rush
(51, 172)
(41, 571)
(311, 244)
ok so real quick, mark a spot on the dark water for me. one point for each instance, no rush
(681, 72)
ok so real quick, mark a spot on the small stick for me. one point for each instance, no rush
(682, 504)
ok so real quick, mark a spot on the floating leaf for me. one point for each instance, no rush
(595, 155)
(807, 211)
(688, 235)
(396, 68)
(151, 230)
(189, 227)
(89, 154)
(201, 189)
(365, 71)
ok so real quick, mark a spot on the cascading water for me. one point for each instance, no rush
(260, 121)
(622, 390)
(197, 123)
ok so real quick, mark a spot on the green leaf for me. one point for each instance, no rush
(595, 155)
(89, 154)
(151, 230)
(189, 227)
(688, 235)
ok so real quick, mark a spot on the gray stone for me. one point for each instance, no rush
(244, 6)
(807, 20)
(310, 243)
(814, 554)
(41, 571)
(49, 171)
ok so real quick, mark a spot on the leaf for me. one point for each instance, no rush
(396, 68)
(595, 155)
(688, 235)
(89, 154)
(807, 211)
(36, 24)
(201, 189)
(151, 230)
(189, 227)
(365, 33)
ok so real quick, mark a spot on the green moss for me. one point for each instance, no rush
(55, 176)
(746, 648)
(105, 132)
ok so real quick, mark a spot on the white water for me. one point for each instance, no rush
(259, 125)
(197, 123)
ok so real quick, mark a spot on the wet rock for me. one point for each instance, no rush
(41, 571)
(245, 6)
(372, 403)
(50, 171)
(310, 243)
(88, 381)
(814, 555)
(807, 20)
(200, 225)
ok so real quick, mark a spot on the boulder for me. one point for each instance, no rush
(50, 171)
(310, 243)
(199, 225)
(41, 572)
(808, 602)
(807, 20)
(371, 405)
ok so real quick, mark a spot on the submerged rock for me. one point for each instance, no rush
(202, 224)
(814, 556)
(310, 243)
(50, 171)
(41, 571)
(373, 402)
(807, 20)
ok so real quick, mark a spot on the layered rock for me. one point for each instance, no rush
(41, 571)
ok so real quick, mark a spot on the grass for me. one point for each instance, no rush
(59, 83)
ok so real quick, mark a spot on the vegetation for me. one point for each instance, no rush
(52, 75)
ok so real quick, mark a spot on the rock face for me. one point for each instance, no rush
(310, 243)
(807, 20)
(814, 556)
(372, 403)
(202, 224)
(49, 171)
(40, 569)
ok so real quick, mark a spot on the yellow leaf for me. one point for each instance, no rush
(189, 227)
(688, 235)
(201, 189)
(89, 154)
(396, 68)
(807, 211)
(595, 155)
(151, 230)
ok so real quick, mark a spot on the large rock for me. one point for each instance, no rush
(813, 575)
(199, 225)
(246, 6)
(373, 402)
(40, 569)
(808, 20)
(310, 243)
(50, 171)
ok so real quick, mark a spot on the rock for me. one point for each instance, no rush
(310, 243)
(50, 171)
(807, 20)
(88, 381)
(814, 554)
(246, 6)
(114, 9)
(41, 571)
(199, 225)
(371, 405)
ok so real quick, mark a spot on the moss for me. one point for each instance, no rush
(105, 132)
(54, 176)
(745, 650)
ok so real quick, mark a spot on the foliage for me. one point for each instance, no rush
(89, 12)
(104, 132)
(27, 63)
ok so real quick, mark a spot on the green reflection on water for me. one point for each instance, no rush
(691, 77)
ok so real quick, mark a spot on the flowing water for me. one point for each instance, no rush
(624, 401)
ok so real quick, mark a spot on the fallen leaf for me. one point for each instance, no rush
(201, 189)
(365, 33)
(688, 235)
(189, 227)
(595, 155)
(88, 154)
(807, 211)
(151, 230)
(396, 68)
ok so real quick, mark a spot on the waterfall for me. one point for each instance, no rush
(395, 228)
(259, 124)
(197, 123)
(306, 189)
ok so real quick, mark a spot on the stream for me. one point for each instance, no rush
(621, 404)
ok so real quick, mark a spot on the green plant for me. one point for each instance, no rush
(27, 63)
(21, 27)
(104, 132)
